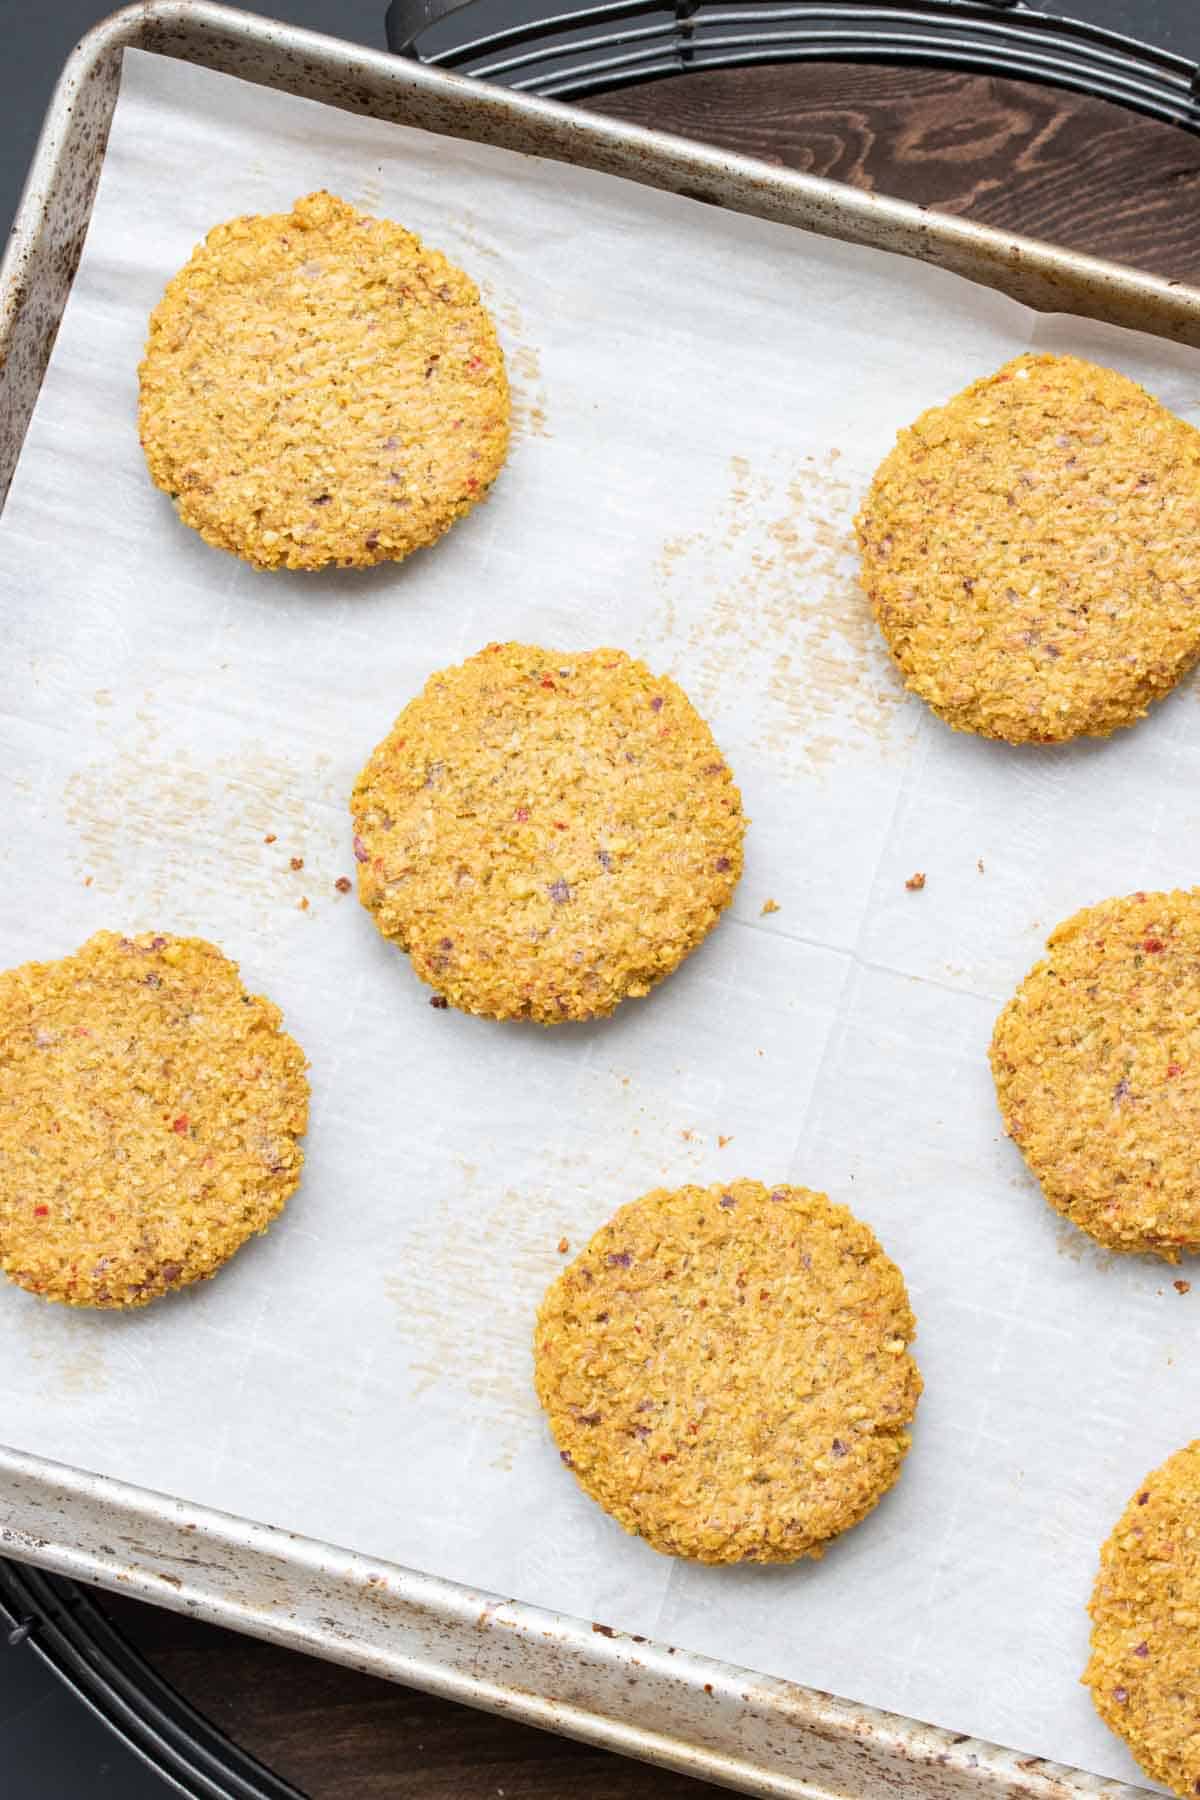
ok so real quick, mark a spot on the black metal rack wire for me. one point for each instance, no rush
(566, 54)
(53, 1619)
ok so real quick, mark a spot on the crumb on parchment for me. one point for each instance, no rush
(916, 882)
(769, 906)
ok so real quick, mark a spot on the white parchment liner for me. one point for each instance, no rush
(701, 398)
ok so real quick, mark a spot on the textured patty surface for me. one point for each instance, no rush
(1144, 1672)
(546, 832)
(1096, 1060)
(149, 1112)
(1029, 551)
(319, 387)
(726, 1370)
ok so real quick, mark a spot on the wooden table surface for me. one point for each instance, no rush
(1050, 165)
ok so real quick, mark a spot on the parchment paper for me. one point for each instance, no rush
(702, 398)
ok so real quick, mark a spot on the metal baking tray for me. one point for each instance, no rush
(588, 1679)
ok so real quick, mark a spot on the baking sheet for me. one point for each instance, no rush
(701, 398)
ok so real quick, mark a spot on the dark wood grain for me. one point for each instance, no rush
(1078, 172)
(1075, 171)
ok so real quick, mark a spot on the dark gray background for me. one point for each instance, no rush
(50, 1746)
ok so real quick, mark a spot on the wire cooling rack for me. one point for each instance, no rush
(565, 54)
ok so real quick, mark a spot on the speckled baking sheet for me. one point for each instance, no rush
(701, 397)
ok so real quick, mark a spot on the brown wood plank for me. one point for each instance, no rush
(1075, 171)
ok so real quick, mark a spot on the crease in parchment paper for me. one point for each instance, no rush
(684, 379)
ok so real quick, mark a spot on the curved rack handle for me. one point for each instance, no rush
(408, 19)
(579, 46)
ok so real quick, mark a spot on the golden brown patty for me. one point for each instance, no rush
(726, 1371)
(318, 387)
(149, 1111)
(1029, 550)
(1144, 1671)
(546, 832)
(1096, 1060)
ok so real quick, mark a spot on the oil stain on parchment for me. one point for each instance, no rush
(521, 356)
(524, 368)
(159, 820)
(69, 1360)
(367, 194)
(1078, 1247)
(474, 1273)
(768, 595)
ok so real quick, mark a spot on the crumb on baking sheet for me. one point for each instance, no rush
(979, 865)
(915, 882)
(563, 1246)
(722, 1141)
(1183, 1287)
(297, 862)
(769, 906)
(302, 904)
(342, 884)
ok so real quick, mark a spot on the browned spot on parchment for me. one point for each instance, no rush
(524, 367)
(769, 594)
(69, 1360)
(367, 195)
(163, 826)
(474, 1271)
(466, 1297)
(521, 356)
(1078, 1247)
